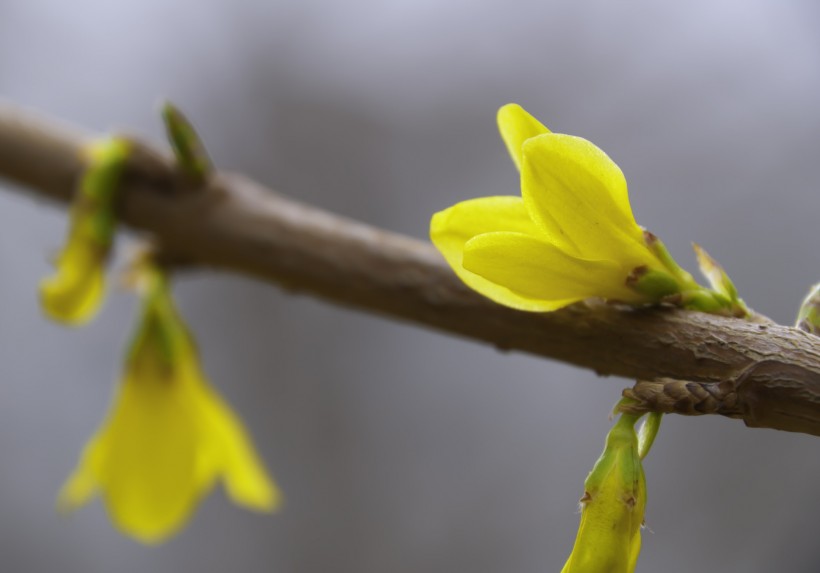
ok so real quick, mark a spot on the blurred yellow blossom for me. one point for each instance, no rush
(74, 293)
(169, 437)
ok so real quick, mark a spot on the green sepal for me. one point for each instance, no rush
(161, 341)
(651, 283)
(684, 279)
(709, 301)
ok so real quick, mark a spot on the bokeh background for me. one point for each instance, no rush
(401, 450)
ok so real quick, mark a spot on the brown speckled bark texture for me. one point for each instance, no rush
(766, 374)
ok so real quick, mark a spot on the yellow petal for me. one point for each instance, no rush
(246, 480)
(634, 550)
(83, 482)
(141, 461)
(147, 476)
(225, 448)
(73, 294)
(452, 228)
(539, 273)
(577, 194)
(516, 127)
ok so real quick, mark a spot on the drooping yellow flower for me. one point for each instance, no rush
(74, 293)
(612, 508)
(169, 437)
(570, 236)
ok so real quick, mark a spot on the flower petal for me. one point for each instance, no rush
(516, 127)
(75, 292)
(147, 473)
(246, 480)
(452, 228)
(539, 273)
(579, 196)
(73, 295)
(83, 483)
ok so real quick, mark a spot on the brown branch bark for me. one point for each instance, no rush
(771, 373)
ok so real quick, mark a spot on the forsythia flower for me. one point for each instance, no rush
(75, 292)
(570, 236)
(169, 436)
(609, 537)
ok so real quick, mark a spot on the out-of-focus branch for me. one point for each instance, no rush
(771, 373)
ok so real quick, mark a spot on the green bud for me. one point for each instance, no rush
(192, 157)
(612, 508)
(719, 280)
(648, 433)
(808, 318)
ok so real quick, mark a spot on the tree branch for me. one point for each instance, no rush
(770, 374)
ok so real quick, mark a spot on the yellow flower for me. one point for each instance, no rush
(570, 236)
(609, 537)
(75, 292)
(169, 436)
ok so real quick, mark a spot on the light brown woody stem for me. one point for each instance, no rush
(236, 225)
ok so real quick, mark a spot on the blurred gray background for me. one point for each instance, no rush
(401, 450)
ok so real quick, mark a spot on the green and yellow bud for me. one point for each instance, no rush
(74, 293)
(720, 281)
(612, 507)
